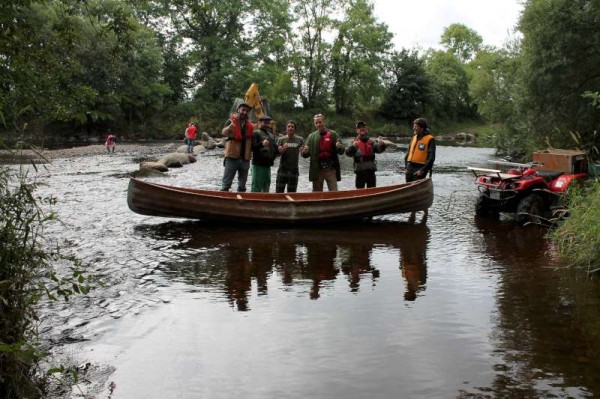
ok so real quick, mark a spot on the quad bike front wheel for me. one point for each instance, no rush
(484, 208)
(530, 209)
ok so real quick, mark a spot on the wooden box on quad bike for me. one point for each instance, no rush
(567, 161)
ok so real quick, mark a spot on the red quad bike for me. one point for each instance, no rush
(534, 191)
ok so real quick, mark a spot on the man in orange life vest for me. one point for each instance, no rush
(421, 153)
(238, 131)
(363, 150)
(323, 147)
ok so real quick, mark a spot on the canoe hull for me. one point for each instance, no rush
(272, 208)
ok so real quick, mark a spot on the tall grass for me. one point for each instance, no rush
(27, 274)
(578, 236)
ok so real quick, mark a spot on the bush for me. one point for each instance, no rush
(26, 274)
(578, 236)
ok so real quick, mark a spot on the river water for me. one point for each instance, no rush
(442, 306)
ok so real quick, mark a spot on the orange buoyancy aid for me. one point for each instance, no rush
(325, 146)
(237, 129)
(417, 152)
(366, 148)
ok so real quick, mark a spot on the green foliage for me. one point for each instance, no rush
(357, 57)
(560, 59)
(26, 274)
(578, 236)
(461, 41)
(493, 84)
(310, 50)
(408, 93)
(449, 79)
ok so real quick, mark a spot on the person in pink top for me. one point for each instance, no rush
(110, 143)
(190, 135)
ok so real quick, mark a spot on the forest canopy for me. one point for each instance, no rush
(73, 69)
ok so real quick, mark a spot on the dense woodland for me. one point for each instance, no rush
(73, 69)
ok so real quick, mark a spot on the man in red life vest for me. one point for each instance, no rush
(238, 130)
(363, 150)
(323, 147)
(421, 153)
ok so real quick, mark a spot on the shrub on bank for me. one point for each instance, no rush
(578, 236)
(26, 275)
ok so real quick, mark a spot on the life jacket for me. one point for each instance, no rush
(237, 129)
(366, 149)
(325, 146)
(419, 148)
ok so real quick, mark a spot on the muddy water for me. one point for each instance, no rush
(441, 306)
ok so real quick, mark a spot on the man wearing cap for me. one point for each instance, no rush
(323, 147)
(238, 130)
(421, 152)
(363, 150)
(264, 152)
(289, 148)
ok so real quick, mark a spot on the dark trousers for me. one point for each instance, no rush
(289, 179)
(411, 168)
(365, 178)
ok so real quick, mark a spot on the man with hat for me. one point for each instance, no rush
(363, 150)
(421, 152)
(264, 152)
(239, 131)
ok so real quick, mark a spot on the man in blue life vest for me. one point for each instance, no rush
(363, 150)
(421, 152)
(323, 147)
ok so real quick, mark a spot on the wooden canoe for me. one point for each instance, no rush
(271, 208)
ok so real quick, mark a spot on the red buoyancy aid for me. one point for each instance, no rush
(237, 129)
(365, 147)
(325, 146)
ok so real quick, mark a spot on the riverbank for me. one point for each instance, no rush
(44, 155)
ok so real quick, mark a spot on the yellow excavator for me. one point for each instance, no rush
(260, 105)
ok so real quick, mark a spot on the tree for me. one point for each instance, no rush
(494, 83)
(358, 57)
(560, 58)
(408, 89)
(311, 53)
(449, 86)
(461, 41)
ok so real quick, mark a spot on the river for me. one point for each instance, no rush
(443, 306)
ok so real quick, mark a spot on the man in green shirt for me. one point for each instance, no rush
(289, 147)
(264, 152)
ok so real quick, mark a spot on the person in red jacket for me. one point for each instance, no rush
(190, 135)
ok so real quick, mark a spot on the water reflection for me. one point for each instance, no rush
(414, 260)
(233, 262)
(538, 337)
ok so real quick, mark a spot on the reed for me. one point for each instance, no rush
(578, 236)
